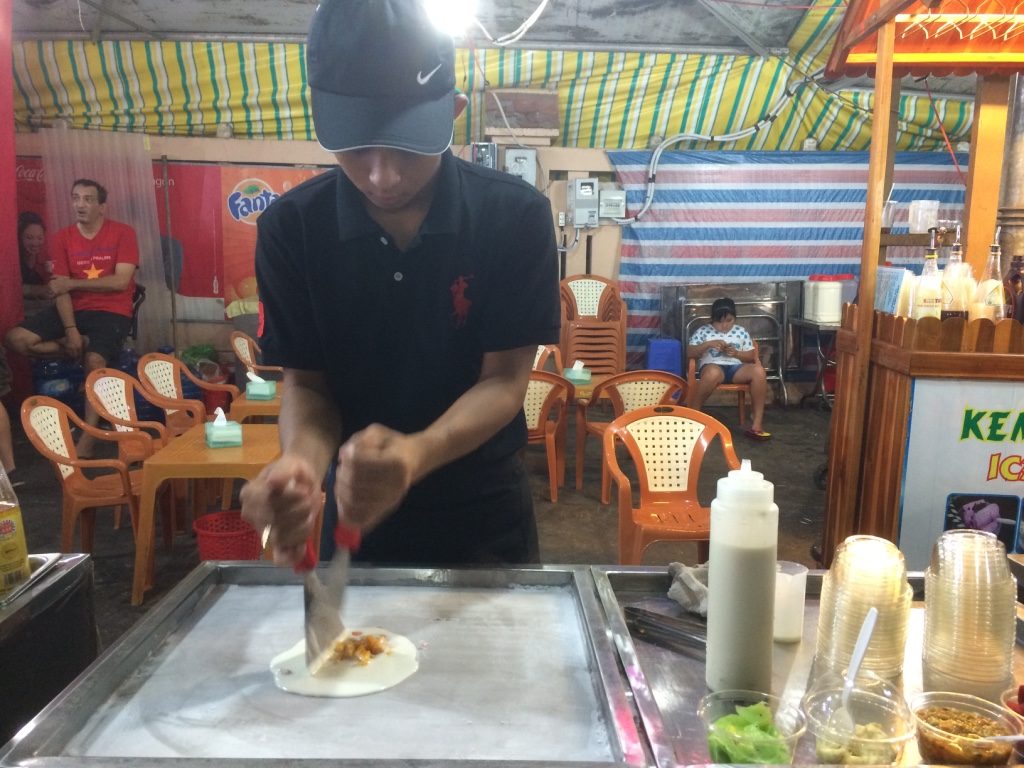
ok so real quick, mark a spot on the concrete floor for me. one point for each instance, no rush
(577, 529)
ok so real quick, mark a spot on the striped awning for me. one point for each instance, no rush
(608, 100)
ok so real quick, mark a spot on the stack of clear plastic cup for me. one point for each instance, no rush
(866, 571)
(970, 616)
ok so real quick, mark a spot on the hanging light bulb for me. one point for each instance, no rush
(451, 16)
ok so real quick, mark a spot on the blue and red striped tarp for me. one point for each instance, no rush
(721, 217)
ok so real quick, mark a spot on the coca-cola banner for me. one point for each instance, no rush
(30, 191)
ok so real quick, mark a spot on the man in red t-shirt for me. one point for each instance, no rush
(94, 263)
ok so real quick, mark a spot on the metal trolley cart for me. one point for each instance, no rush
(762, 308)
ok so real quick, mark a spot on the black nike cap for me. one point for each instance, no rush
(381, 75)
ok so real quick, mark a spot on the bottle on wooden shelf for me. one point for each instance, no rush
(989, 299)
(958, 283)
(927, 301)
(1013, 288)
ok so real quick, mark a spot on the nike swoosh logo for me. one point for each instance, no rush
(424, 79)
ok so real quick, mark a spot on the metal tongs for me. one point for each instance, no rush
(687, 636)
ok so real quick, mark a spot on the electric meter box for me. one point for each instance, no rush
(522, 162)
(612, 203)
(582, 203)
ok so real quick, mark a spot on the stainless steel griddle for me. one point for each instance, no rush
(515, 665)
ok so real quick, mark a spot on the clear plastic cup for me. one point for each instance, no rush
(866, 571)
(773, 741)
(790, 595)
(970, 616)
(951, 729)
(883, 723)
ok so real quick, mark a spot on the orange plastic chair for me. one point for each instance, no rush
(593, 323)
(248, 352)
(112, 394)
(547, 352)
(667, 445)
(626, 392)
(546, 409)
(48, 425)
(741, 390)
(162, 375)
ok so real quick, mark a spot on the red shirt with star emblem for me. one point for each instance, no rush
(80, 258)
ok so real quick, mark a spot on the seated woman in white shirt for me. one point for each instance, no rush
(725, 354)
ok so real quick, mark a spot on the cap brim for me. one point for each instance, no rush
(353, 122)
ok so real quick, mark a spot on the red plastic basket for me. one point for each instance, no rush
(226, 536)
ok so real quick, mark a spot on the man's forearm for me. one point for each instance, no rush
(65, 310)
(309, 424)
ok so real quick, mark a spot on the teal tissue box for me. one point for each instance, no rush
(581, 376)
(261, 390)
(223, 435)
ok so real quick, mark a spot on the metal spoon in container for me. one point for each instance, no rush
(841, 724)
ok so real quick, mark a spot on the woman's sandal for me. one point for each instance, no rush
(758, 434)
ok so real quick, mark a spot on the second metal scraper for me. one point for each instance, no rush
(323, 600)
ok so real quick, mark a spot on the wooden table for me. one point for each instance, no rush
(243, 408)
(585, 391)
(189, 457)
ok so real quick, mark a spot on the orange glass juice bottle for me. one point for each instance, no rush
(14, 568)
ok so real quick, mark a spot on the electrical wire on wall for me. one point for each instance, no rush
(765, 121)
(517, 34)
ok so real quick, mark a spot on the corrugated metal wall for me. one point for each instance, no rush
(610, 100)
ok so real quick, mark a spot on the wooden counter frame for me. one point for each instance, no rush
(873, 382)
(900, 350)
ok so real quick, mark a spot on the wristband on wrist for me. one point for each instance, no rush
(69, 327)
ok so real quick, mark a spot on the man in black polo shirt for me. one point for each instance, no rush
(405, 293)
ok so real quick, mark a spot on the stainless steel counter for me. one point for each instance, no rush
(667, 685)
(518, 667)
(47, 636)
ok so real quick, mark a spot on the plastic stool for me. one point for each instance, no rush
(665, 355)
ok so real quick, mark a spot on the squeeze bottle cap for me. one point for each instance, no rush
(745, 488)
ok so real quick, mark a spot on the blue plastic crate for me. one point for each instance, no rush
(665, 355)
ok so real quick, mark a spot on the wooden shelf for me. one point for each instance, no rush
(889, 240)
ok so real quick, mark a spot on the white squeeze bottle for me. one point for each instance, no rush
(741, 582)
(928, 288)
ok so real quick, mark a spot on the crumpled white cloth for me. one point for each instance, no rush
(690, 587)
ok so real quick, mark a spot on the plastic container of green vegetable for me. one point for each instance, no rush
(750, 727)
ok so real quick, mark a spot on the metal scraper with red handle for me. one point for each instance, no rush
(323, 600)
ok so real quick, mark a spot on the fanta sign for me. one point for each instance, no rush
(249, 199)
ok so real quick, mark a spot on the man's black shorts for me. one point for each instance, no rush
(106, 330)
